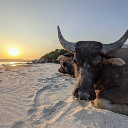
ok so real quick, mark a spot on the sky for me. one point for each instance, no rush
(31, 25)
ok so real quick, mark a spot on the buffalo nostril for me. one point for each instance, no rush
(84, 96)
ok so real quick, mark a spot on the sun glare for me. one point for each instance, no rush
(13, 51)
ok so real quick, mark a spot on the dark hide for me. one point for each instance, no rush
(112, 83)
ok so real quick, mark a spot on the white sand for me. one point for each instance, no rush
(40, 97)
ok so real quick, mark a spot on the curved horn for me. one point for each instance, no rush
(69, 46)
(109, 48)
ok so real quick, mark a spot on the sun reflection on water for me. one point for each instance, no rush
(13, 63)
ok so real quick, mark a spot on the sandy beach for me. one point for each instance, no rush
(38, 96)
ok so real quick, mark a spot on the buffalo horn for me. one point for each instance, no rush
(69, 46)
(109, 48)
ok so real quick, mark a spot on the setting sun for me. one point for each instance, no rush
(13, 51)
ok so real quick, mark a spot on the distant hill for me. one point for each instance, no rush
(125, 46)
(54, 55)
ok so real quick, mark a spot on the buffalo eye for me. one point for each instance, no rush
(64, 64)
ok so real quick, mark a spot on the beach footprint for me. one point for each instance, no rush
(32, 111)
(39, 93)
(18, 124)
(51, 112)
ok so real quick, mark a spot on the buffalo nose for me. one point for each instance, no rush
(84, 96)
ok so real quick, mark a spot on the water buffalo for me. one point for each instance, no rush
(67, 66)
(101, 72)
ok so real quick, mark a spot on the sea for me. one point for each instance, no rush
(13, 63)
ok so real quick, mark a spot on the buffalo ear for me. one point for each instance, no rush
(63, 58)
(114, 61)
(69, 54)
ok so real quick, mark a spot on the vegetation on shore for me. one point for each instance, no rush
(52, 56)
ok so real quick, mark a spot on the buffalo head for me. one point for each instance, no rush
(88, 57)
(67, 68)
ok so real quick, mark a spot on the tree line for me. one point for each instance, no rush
(53, 55)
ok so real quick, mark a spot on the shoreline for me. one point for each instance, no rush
(16, 66)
